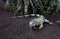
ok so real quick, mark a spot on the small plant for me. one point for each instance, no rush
(45, 6)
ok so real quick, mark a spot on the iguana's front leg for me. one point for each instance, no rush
(41, 26)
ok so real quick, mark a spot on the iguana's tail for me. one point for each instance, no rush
(24, 16)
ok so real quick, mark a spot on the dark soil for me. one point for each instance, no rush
(19, 29)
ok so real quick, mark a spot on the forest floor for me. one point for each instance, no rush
(18, 28)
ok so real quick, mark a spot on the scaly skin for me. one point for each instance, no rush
(39, 21)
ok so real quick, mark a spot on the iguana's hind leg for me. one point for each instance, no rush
(48, 21)
(41, 26)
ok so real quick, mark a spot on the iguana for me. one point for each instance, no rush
(36, 21)
(39, 21)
